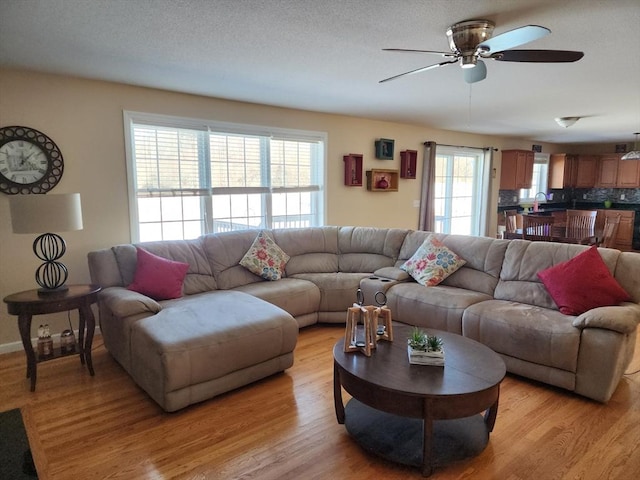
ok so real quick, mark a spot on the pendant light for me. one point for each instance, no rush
(635, 153)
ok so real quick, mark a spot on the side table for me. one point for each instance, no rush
(28, 303)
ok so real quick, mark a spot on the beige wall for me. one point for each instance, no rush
(85, 119)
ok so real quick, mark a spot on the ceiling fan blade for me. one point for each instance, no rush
(408, 50)
(548, 56)
(475, 74)
(513, 38)
(418, 70)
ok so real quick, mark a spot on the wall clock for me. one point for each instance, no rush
(30, 162)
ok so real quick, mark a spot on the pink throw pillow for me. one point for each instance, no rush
(158, 277)
(582, 283)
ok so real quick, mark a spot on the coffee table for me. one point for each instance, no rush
(419, 415)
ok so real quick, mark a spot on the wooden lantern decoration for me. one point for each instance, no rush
(369, 317)
(384, 329)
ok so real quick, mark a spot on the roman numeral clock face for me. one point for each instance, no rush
(30, 162)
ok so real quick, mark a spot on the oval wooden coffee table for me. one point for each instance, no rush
(419, 415)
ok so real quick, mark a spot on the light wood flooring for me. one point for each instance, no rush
(284, 427)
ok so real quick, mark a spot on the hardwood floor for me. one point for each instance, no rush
(284, 427)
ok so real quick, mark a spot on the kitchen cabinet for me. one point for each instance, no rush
(608, 171)
(616, 173)
(628, 174)
(624, 237)
(517, 169)
(562, 170)
(587, 171)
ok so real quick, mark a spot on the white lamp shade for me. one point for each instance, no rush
(45, 213)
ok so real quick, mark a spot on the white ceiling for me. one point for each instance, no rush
(326, 56)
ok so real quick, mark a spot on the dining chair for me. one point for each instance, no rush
(511, 220)
(537, 227)
(610, 230)
(580, 223)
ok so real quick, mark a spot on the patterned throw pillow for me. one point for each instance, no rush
(265, 258)
(432, 262)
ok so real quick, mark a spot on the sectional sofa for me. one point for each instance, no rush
(232, 327)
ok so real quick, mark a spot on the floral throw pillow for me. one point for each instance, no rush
(265, 258)
(432, 262)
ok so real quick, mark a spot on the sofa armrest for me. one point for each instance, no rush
(394, 273)
(124, 303)
(623, 318)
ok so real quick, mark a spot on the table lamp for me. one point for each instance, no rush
(47, 213)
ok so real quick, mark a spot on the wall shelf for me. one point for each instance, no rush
(353, 170)
(408, 163)
(382, 180)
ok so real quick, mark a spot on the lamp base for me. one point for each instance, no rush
(43, 292)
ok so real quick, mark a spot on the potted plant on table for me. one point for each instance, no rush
(424, 349)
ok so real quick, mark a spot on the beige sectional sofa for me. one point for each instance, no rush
(231, 327)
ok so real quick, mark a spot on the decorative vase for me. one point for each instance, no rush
(382, 183)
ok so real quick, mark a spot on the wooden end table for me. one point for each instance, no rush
(451, 410)
(28, 303)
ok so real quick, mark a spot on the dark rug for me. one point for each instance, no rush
(16, 461)
(399, 439)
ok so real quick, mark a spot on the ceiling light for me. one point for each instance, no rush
(635, 153)
(468, 61)
(566, 122)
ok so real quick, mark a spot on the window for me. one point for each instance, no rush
(188, 177)
(539, 178)
(461, 191)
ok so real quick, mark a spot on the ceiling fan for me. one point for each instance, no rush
(472, 40)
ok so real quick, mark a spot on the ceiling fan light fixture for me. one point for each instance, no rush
(633, 154)
(566, 122)
(468, 61)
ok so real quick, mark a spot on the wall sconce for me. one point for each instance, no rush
(47, 213)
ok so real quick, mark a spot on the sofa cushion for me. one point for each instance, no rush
(438, 307)
(199, 276)
(519, 281)
(295, 296)
(337, 290)
(312, 250)
(582, 283)
(364, 249)
(538, 335)
(224, 251)
(157, 277)
(484, 257)
(206, 336)
(432, 262)
(265, 258)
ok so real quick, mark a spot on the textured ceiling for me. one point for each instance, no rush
(326, 55)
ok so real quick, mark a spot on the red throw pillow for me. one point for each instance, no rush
(158, 277)
(582, 283)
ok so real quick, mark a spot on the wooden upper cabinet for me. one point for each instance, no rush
(608, 171)
(517, 169)
(628, 174)
(587, 171)
(562, 170)
(616, 173)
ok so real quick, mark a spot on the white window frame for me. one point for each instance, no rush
(213, 127)
(539, 180)
(479, 196)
